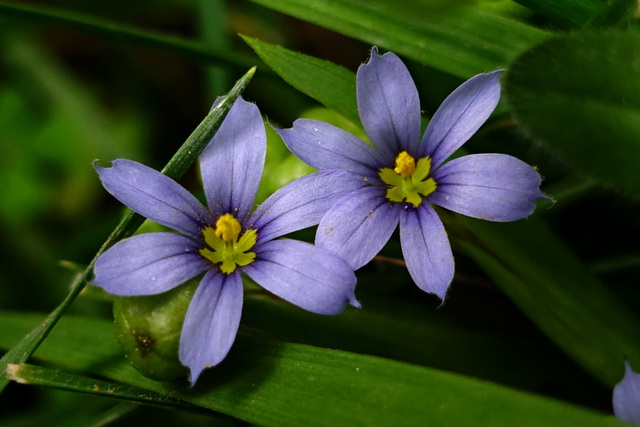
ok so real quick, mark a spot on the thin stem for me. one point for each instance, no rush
(117, 32)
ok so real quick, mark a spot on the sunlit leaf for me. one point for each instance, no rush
(463, 43)
(330, 84)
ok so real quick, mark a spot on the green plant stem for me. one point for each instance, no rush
(37, 375)
(175, 168)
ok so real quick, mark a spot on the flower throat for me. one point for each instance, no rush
(408, 180)
(226, 247)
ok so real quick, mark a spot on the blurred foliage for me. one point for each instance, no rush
(68, 97)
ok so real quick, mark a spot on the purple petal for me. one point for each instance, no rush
(493, 187)
(460, 116)
(301, 203)
(149, 264)
(358, 226)
(626, 397)
(324, 146)
(304, 275)
(426, 250)
(231, 165)
(211, 323)
(388, 104)
(154, 195)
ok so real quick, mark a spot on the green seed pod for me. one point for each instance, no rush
(148, 329)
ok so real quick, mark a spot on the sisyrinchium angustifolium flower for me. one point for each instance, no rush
(626, 397)
(403, 174)
(224, 240)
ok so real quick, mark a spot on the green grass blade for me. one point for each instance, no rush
(55, 378)
(551, 286)
(114, 31)
(570, 13)
(269, 382)
(175, 168)
(463, 43)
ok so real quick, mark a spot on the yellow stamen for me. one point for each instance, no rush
(227, 228)
(408, 181)
(405, 165)
(226, 247)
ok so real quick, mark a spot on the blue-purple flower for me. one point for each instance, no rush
(403, 174)
(224, 240)
(626, 397)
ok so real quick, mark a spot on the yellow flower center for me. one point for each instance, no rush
(405, 165)
(225, 246)
(408, 181)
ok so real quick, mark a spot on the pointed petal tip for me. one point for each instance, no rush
(354, 302)
(194, 375)
(626, 396)
(99, 168)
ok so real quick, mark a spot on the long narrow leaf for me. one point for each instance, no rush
(570, 13)
(550, 285)
(115, 31)
(55, 378)
(261, 379)
(463, 43)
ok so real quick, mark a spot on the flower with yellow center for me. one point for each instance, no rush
(408, 181)
(228, 248)
(224, 241)
(405, 174)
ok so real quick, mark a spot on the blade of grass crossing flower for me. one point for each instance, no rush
(37, 375)
(330, 84)
(463, 43)
(175, 168)
(261, 379)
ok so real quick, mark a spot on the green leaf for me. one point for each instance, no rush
(38, 375)
(175, 168)
(415, 332)
(591, 120)
(552, 287)
(269, 382)
(463, 43)
(570, 13)
(617, 13)
(324, 81)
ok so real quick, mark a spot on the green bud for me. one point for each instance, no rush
(148, 329)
